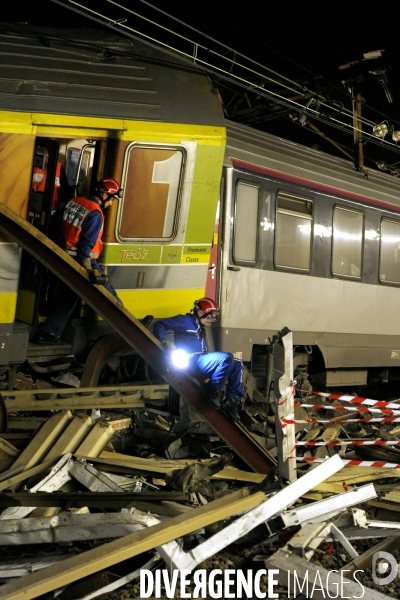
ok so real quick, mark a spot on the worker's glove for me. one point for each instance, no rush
(85, 262)
(167, 347)
(95, 276)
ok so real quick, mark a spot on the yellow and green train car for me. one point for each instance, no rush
(94, 105)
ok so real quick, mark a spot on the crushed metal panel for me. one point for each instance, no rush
(96, 440)
(131, 396)
(262, 513)
(7, 450)
(54, 481)
(96, 559)
(72, 436)
(66, 527)
(284, 404)
(91, 478)
(43, 440)
(353, 475)
(111, 500)
(308, 539)
(19, 567)
(360, 519)
(166, 466)
(14, 476)
(328, 508)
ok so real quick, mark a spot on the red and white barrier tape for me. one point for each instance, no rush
(362, 420)
(354, 463)
(385, 411)
(350, 443)
(357, 400)
(288, 420)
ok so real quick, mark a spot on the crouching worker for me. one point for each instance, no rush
(222, 372)
(82, 230)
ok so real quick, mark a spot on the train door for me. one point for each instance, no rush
(62, 168)
(212, 282)
(245, 213)
(33, 274)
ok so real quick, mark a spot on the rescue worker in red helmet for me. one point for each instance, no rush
(82, 230)
(224, 373)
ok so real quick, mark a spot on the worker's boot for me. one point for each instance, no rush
(213, 396)
(230, 407)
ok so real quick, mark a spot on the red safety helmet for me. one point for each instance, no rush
(207, 307)
(109, 185)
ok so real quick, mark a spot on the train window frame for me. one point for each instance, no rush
(338, 275)
(175, 212)
(242, 261)
(307, 214)
(381, 280)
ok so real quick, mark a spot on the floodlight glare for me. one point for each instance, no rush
(180, 359)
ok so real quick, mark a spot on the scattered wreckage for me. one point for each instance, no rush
(88, 508)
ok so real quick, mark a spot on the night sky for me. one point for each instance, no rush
(305, 42)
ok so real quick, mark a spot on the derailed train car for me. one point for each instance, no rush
(300, 239)
(116, 109)
(312, 244)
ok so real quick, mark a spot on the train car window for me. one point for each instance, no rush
(152, 184)
(389, 266)
(347, 242)
(78, 169)
(72, 164)
(245, 237)
(293, 234)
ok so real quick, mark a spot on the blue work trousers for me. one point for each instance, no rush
(221, 368)
(64, 304)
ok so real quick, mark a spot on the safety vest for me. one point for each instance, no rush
(39, 182)
(74, 215)
(38, 179)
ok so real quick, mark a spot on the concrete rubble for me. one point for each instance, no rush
(88, 502)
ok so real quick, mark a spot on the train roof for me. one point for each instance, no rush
(260, 152)
(94, 73)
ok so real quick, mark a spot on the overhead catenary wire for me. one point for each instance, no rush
(121, 27)
(261, 42)
(279, 75)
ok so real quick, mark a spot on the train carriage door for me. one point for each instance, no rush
(62, 168)
(80, 159)
(240, 262)
(45, 184)
(212, 283)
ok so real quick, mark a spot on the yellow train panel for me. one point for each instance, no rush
(8, 303)
(159, 303)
